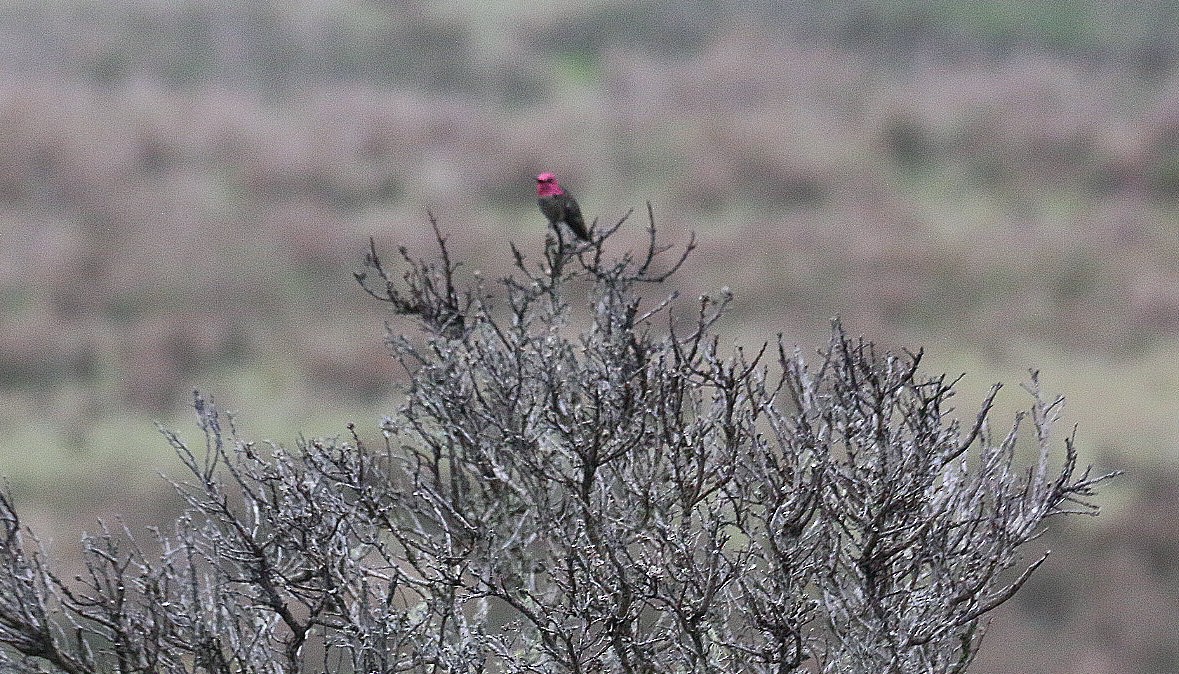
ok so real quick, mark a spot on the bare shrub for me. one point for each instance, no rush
(621, 496)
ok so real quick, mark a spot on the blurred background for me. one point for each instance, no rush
(186, 188)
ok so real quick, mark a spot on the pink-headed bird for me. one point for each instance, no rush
(558, 206)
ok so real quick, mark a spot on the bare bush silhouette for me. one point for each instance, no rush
(573, 488)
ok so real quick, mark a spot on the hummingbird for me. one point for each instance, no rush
(558, 206)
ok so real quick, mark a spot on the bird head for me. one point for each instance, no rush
(547, 185)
